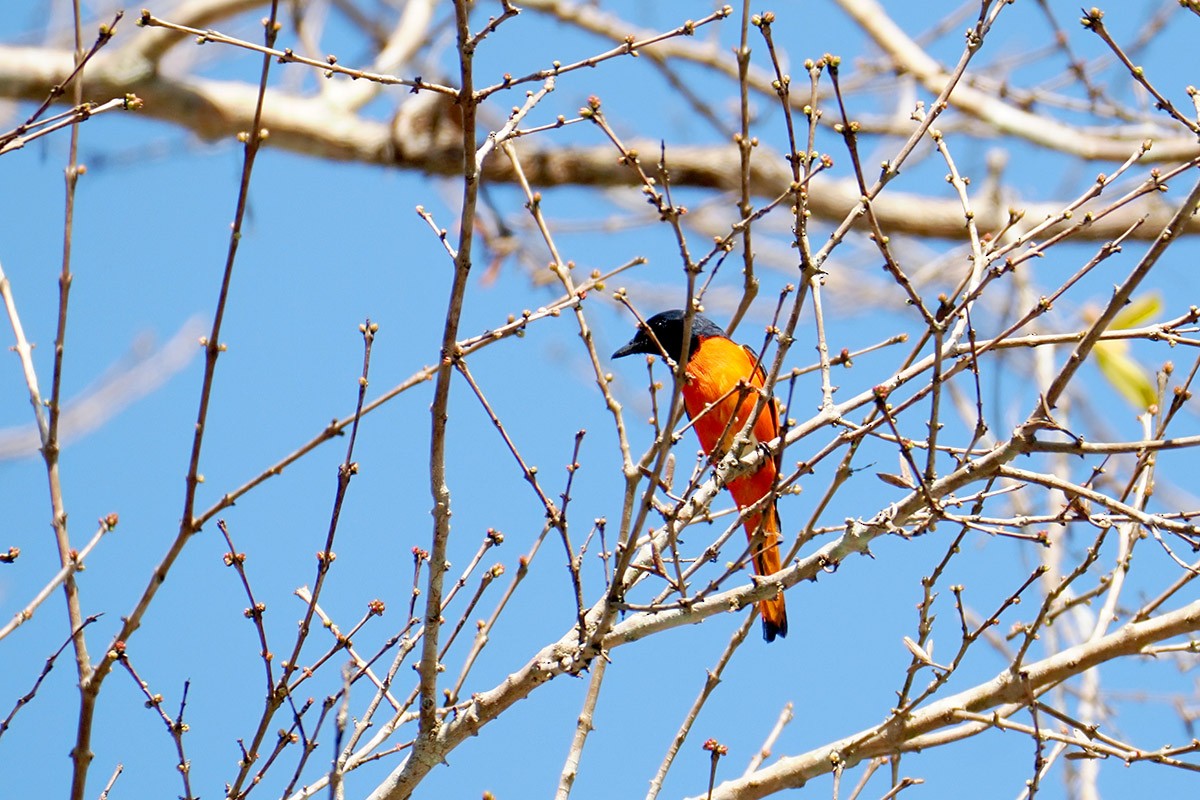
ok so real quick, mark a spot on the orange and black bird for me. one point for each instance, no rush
(715, 367)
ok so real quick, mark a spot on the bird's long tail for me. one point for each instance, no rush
(766, 561)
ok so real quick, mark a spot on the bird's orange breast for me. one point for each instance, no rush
(713, 374)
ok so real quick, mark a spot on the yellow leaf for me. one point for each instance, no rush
(1138, 312)
(1125, 374)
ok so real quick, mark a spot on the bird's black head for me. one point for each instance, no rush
(668, 329)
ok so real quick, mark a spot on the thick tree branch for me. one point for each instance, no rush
(1005, 688)
(423, 138)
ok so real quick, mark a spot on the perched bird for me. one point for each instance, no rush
(715, 366)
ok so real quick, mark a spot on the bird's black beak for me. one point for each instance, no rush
(638, 344)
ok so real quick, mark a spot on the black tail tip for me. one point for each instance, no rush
(771, 630)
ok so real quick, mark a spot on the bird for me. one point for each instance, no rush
(715, 366)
